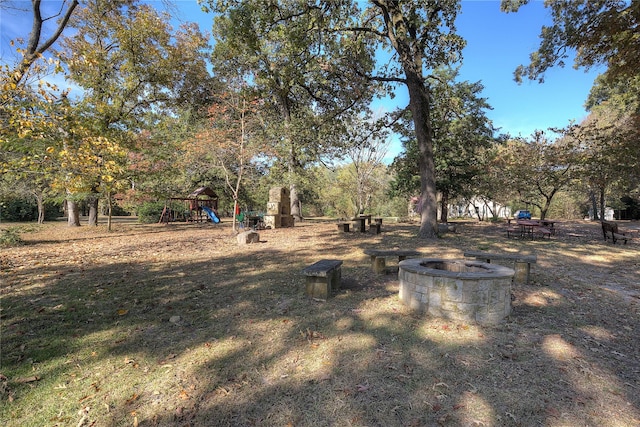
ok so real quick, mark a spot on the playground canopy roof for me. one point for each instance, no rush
(203, 191)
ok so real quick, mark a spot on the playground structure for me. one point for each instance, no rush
(199, 206)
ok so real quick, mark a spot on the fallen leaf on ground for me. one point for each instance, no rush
(28, 379)
(132, 399)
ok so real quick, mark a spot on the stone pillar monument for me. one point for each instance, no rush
(278, 209)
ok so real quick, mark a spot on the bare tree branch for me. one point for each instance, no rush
(34, 49)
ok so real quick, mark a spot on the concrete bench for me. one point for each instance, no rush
(323, 277)
(521, 262)
(378, 257)
(344, 226)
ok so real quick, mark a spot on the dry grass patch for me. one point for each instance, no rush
(177, 325)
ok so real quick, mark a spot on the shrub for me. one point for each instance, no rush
(10, 237)
(52, 210)
(150, 212)
(25, 209)
(19, 209)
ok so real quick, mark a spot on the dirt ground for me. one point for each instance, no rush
(178, 325)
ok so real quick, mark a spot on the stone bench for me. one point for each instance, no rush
(522, 262)
(375, 227)
(323, 277)
(247, 237)
(378, 257)
(344, 226)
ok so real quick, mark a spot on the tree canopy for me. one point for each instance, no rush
(599, 32)
(305, 74)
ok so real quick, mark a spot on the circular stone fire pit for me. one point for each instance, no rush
(471, 291)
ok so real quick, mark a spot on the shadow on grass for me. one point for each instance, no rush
(185, 327)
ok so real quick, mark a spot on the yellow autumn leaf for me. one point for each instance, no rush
(122, 312)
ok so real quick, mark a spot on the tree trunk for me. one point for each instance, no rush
(594, 205)
(419, 106)
(367, 203)
(73, 213)
(92, 202)
(547, 204)
(361, 197)
(478, 214)
(40, 203)
(294, 198)
(602, 205)
(444, 207)
(236, 212)
(545, 208)
(360, 203)
(490, 209)
(295, 202)
(109, 211)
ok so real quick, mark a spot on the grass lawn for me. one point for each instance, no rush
(178, 325)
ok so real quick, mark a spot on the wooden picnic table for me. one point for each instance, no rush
(532, 226)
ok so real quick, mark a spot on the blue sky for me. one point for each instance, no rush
(496, 44)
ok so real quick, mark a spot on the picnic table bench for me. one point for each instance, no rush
(378, 257)
(549, 224)
(544, 231)
(323, 277)
(610, 231)
(531, 228)
(521, 262)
